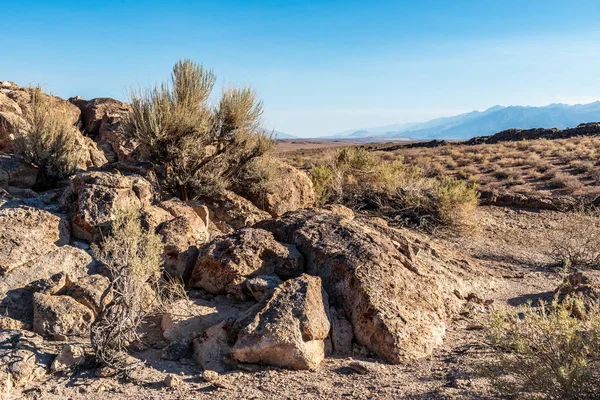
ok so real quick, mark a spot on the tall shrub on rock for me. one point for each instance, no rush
(199, 147)
(48, 139)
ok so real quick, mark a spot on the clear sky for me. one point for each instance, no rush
(321, 67)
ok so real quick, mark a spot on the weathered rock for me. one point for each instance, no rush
(28, 233)
(341, 333)
(288, 189)
(262, 287)
(69, 357)
(60, 315)
(98, 195)
(212, 348)
(89, 291)
(175, 350)
(289, 330)
(228, 211)
(181, 235)
(16, 172)
(23, 359)
(89, 153)
(397, 302)
(227, 261)
(172, 381)
(103, 119)
(7, 323)
(185, 319)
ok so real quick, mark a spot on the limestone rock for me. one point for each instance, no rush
(289, 330)
(186, 319)
(60, 315)
(289, 189)
(28, 233)
(396, 302)
(69, 357)
(89, 291)
(98, 195)
(229, 211)
(228, 260)
(16, 172)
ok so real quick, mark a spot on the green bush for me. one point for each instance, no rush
(200, 148)
(544, 352)
(455, 202)
(321, 177)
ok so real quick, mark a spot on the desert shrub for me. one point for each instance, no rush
(455, 202)
(564, 181)
(321, 177)
(132, 256)
(199, 147)
(575, 243)
(359, 179)
(581, 167)
(544, 352)
(48, 139)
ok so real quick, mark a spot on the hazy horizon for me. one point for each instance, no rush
(321, 67)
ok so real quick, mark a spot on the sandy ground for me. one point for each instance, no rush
(511, 244)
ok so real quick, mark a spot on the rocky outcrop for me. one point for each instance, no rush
(89, 290)
(103, 119)
(59, 316)
(227, 261)
(28, 233)
(15, 172)
(182, 232)
(371, 272)
(15, 103)
(98, 195)
(290, 329)
(288, 189)
(24, 360)
(229, 211)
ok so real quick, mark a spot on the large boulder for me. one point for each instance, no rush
(182, 233)
(16, 172)
(396, 300)
(104, 119)
(60, 316)
(185, 319)
(28, 233)
(288, 189)
(99, 195)
(89, 291)
(230, 211)
(289, 331)
(227, 261)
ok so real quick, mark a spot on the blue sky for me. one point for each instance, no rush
(321, 67)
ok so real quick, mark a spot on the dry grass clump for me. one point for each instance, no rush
(359, 179)
(576, 241)
(564, 181)
(133, 258)
(581, 167)
(48, 139)
(544, 352)
(200, 148)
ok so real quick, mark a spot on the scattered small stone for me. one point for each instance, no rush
(457, 294)
(249, 367)
(68, 358)
(211, 376)
(105, 372)
(172, 381)
(359, 367)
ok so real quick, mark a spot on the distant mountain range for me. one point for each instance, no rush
(488, 122)
(282, 135)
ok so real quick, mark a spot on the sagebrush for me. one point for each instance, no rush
(544, 352)
(48, 139)
(575, 242)
(199, 147)
(132, 256)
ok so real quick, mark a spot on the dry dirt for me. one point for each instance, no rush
(511, 243)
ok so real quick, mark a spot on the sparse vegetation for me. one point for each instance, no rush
(48, 139)
(544, 352)
(576, 242)
(133, 258)
(199, 147)
(358, 178)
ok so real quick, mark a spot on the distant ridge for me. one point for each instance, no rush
(488, 122)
